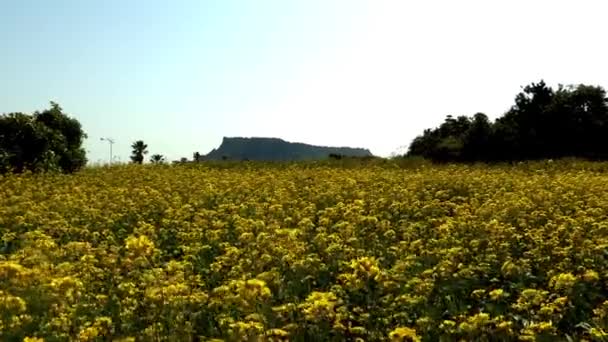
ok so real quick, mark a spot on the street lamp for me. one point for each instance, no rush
(111, 142)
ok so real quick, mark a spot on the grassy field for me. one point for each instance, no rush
(306, 252)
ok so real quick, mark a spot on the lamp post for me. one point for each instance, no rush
(111, 142)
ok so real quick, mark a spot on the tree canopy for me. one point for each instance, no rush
(157, 159)
(571, 121)
(42, 141)
(139, 150)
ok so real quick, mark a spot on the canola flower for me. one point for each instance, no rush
(306, 252)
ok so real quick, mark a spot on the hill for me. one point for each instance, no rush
(274, 149)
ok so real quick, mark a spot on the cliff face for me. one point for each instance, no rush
(274, 149)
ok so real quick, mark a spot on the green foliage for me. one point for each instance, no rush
(44, 141)
(571, 121)
(139, 150)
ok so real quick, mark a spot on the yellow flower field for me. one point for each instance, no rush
(306, 252)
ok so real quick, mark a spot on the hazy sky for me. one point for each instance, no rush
(180, 75)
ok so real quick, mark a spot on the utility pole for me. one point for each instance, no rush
(111, 142)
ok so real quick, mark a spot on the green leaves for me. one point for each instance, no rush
(139, 150)
(571, 121)
(43, 141)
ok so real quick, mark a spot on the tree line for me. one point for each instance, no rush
(139, 149)
(49, 140)
(544, 123)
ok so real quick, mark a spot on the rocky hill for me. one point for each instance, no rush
(274, 149)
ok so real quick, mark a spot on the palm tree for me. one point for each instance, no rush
(139, 149)
(157, 159)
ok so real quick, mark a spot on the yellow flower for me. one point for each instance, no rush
(591, 276)
(319, 305)
(542, 326)
(480, 319)
(13, 271)
(563, 281)
(479, 293)
(504, 326)
(328, 251)
(88, 334)
(139, 246)
(404, 334)
(498, 294)
(447, 325)
(277, 333)
(13, 304)
(598, 333)
(255, 289)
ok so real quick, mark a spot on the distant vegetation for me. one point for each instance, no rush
(139, 150)
(157, 159)
(43, 141)
(543, 123)
(273, 149)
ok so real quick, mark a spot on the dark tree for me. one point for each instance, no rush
(571, 121)
(476, 139)
(139, 150)
(580, 124)
(47, 140)
(528, 122)
(157, 159)
(444, 143)
(67, 137)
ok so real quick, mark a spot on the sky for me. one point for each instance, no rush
(182, 74)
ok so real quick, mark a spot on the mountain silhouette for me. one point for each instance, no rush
(275, 149)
